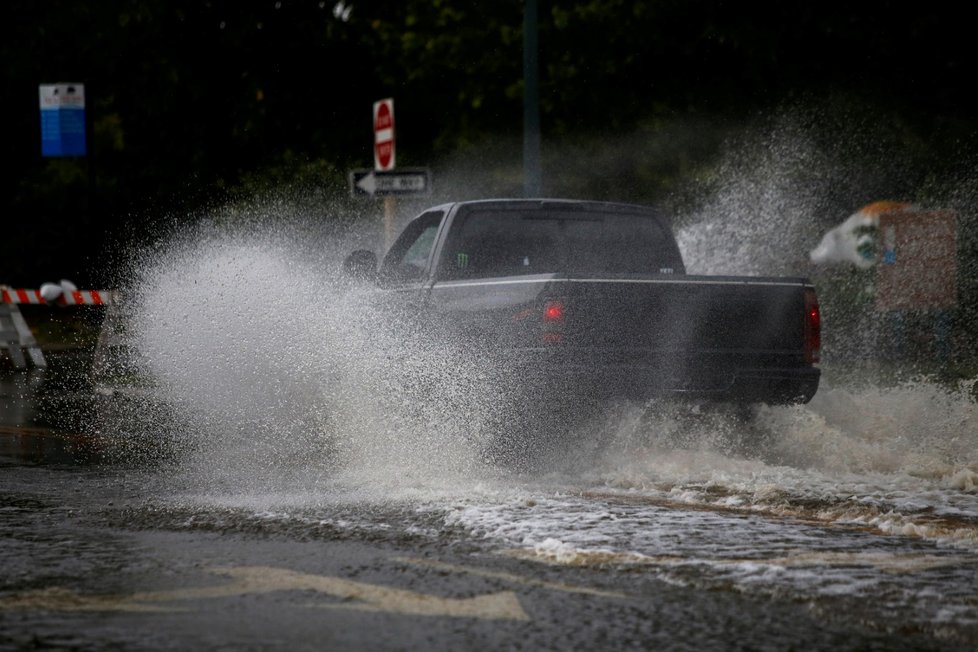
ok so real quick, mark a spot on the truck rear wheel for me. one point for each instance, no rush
(544, 434)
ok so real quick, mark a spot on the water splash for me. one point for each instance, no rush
(295, 405)
(283, 376)
(761, 206)
(878, 428)
(276, 373)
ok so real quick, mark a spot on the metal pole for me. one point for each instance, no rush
(532, 175)
(390, 214)
(90, 158)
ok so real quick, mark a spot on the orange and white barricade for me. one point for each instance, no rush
(15, 335)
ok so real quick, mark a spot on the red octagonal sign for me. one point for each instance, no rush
(384, 135)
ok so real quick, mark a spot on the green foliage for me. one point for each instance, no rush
(194, 102)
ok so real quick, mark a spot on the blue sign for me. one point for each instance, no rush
(62, 119)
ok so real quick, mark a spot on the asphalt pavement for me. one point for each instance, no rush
(95, 556)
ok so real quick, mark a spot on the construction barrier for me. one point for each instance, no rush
(70, 298)
(16, 336)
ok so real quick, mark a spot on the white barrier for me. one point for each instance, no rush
(15, 335)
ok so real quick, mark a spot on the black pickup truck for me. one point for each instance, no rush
(581, 298)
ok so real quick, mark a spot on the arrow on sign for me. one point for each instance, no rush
(367, 183)
(402, 182)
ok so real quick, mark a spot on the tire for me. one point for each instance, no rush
(544, 434)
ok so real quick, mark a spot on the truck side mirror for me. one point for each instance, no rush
(361, 265)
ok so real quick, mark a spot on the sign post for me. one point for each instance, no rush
(371, 183)
(384, 158)
(917, 274)
(384, 135)
(918, 261)
(62, 120)
(383, 180)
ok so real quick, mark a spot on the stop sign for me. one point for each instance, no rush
(384, 135)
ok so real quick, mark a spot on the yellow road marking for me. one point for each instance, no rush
(263, 579)
(58, 599)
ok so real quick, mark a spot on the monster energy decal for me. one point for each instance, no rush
(463, 261)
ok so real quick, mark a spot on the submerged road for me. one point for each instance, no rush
(99, 553)
(91, 563)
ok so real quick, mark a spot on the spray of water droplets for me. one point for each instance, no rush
(268, 370)
(257, 366)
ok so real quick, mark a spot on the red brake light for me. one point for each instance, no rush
(553, 317)
(813, 327)
(553, 311)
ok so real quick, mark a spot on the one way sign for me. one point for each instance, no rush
(400, 182)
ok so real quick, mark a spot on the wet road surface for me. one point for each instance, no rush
(653, 546)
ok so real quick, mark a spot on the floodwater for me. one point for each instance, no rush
(861, 506)
(249, 395)
(866, 518)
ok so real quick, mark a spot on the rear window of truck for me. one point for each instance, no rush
(493, 243)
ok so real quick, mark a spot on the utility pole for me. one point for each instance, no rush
(532, 175)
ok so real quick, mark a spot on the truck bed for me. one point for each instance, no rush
(723, 338)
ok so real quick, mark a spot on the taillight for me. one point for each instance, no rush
(813, 327)
(553, 311)
(553, 319)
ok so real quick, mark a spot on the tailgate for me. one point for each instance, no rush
(687, 314)
(667, 315)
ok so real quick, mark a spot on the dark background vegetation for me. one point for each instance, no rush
(196, 103)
